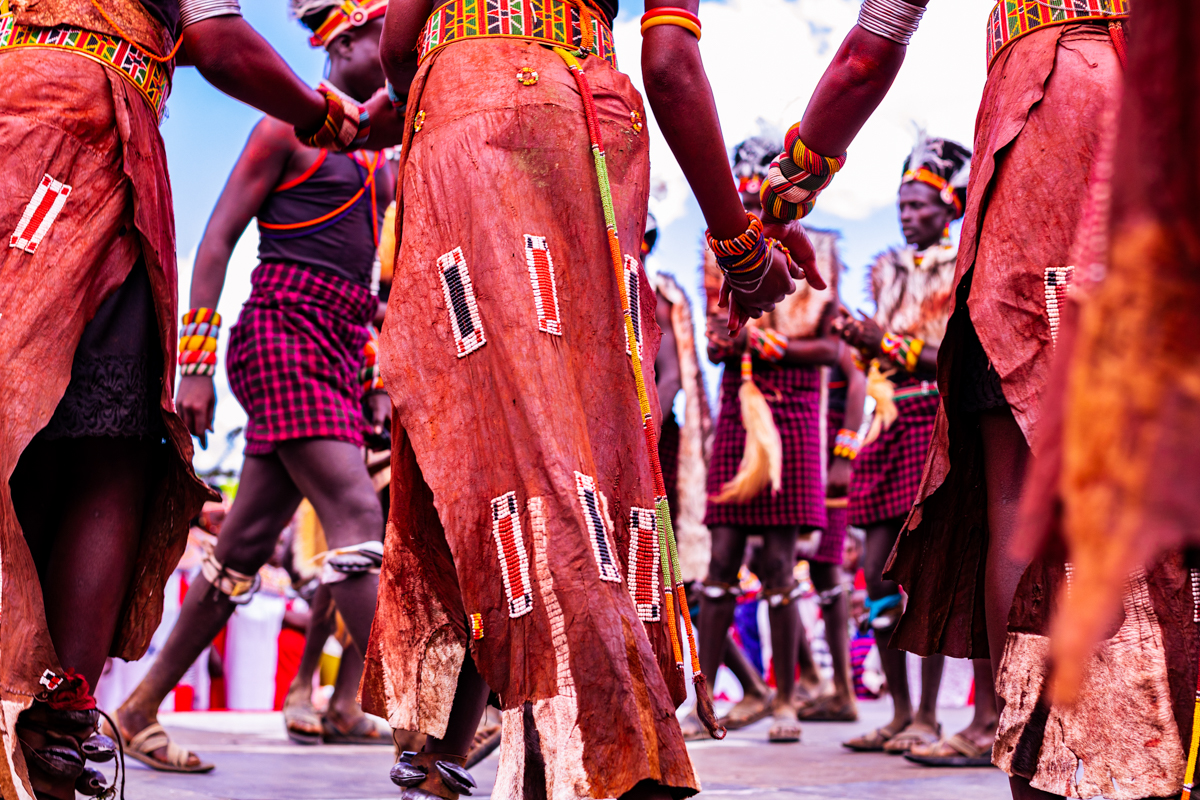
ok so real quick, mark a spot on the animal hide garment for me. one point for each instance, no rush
(912, 299)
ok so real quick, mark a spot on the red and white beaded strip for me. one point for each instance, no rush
(541, 275)
(43, 208)
(514, 558)
(644, 563)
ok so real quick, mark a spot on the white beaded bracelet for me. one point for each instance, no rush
(891, 19)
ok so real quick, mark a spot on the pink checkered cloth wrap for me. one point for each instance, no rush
(295, 353)
(887, 472)
(794, 396)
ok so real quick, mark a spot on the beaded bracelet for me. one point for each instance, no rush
(669, 15)
(398, 102)
(744, 258)
(341, 126)
(796, 178)
(198, 342)
(770, 344)
(369, 376)
(847, 444)
(904, 350)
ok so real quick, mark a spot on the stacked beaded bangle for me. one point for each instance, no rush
(796, 178)
(891, 19)
(369, 376)
(847, 444)
(744, 259)
(346, 123)
(770, 344)
(198, 342)
(668, 15)
(904, 350)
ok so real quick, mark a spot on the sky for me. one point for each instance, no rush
(763, 59)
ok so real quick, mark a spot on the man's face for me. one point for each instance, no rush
(357, 53)
(923, 215)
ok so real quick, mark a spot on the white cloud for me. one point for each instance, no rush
(764, 58)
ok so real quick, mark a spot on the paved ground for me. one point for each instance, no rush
(255, 761)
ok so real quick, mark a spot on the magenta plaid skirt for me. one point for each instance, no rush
(294, 356)
(888, 471)
(833, 536)
(794, 396)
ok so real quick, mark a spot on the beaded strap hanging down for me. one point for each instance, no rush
(666, 534)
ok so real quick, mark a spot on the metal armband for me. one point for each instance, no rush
(891, 19)
(193, 11)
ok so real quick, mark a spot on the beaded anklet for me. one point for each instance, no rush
(904, 350)
(669, 15)
(796, 178)
(847, 444)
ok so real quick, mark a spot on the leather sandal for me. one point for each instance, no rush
(426, 776)
(57, 744)
(956, 751)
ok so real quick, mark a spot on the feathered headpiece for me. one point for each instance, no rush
(943, 164)
(329, 19)
(751, 159)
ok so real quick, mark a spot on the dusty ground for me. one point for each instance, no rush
(255, 761)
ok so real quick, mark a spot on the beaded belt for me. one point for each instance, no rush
(150, 78)
(922, 389)
(550, 21)
(1012, 19)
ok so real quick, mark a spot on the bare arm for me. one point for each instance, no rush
(853, 86)
(856, 391)
(397, 46)
(257, 172)
(233, 57)
(811, 352)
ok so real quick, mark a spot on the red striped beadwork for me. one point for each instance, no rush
(545, 292)
(514, 558)
(644, 564)
(41, 211)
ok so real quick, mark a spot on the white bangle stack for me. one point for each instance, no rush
(891, 19)
(192, 11)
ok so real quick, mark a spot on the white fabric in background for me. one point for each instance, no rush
(251, 653)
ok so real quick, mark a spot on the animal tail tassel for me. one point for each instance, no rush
(762, 460)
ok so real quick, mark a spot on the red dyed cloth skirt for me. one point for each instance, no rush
(294, 356)
(794, 396)
(887, 472)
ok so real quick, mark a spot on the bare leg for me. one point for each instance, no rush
(982, 730)
(880, 539)
(836, 613)
(320, 627)
(1006, 458)
(344, 710)
(739, 664)
(333, 477)
(470, 699)
(778, 558)
(716, 614)
(266, 500)
(89, 548)
(931, 682)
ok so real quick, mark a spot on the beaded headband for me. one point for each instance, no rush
(350, 14)
(945, 190)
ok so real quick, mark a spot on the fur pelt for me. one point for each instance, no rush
(913, 300)
(695, 438)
